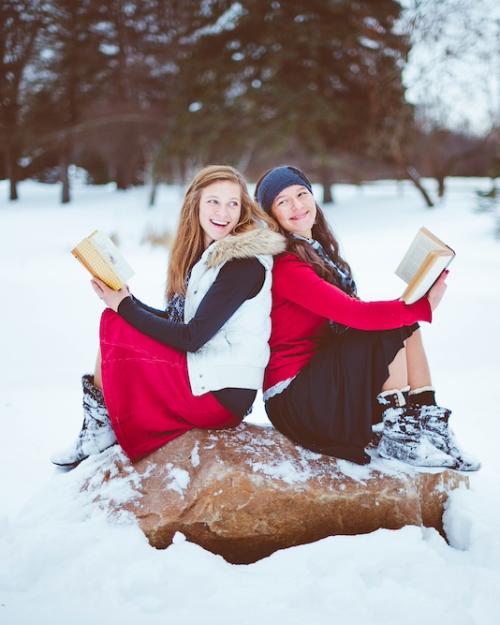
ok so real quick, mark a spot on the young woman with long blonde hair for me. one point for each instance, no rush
(199, 363)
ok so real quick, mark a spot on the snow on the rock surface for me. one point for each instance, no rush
(284, 470)
(63, 561)
(195, 456)
(176, 479)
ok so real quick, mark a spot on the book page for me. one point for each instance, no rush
(112, 255)
(421, 245)
(100, 256)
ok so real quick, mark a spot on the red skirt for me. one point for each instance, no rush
(147, 391)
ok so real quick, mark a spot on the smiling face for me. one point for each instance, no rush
(220, 209)
(294, 209)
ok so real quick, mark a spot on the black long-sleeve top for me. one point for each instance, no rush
(237, 281)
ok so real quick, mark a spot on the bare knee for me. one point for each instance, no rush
(398, 372)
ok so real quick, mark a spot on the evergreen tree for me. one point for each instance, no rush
(20, 22)
(111, 71)
(312, 77)
(69, 75)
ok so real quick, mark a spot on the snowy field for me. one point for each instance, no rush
(62, 561)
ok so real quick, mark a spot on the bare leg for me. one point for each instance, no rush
(419, 374)
(97, 370)
(410, 366)
(398, 373)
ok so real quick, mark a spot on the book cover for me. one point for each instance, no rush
(102, 258)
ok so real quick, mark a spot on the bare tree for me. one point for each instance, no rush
(453, 77)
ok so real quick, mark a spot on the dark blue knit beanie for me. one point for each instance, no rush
(275, 181)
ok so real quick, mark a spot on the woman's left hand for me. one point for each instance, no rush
(109, 296)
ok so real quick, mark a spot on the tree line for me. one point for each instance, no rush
(146, 91)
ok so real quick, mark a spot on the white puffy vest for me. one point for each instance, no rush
(237, 355)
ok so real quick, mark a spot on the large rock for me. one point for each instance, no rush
(246, 492)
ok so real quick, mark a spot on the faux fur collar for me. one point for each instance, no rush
(246, 245)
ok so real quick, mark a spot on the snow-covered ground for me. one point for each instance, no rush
(62, 561)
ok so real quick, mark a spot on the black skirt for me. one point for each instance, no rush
(331, 405)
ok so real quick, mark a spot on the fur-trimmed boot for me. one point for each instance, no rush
(435, 425)
(402, 437)
(96, 434)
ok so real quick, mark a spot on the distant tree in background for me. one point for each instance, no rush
(145, 91)
(141, 44)
(441, 152)
(457, 68)
(310, 80)
(74, 67)
(105, 84)
(20, 23)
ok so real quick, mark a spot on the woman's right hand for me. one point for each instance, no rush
(435, 294)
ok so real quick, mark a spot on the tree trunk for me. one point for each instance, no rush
(64, 178)
(327, 194)
(13, 189)
(152, 193)
(121, 181)
(441, 178)
(326, 180)
(122, 176)
(151, 177)
(415, 178)
(11, 167)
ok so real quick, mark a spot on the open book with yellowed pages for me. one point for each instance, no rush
(422, 264)
(101, 257)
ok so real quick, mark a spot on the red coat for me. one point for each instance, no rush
(303, 303)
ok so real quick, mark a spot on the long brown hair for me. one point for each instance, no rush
(322, 233)
(189, 242)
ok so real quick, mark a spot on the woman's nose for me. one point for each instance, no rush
(221, 210)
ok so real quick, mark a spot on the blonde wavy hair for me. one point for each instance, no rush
(189, 242)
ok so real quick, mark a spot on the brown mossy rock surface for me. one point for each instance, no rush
(246, 492)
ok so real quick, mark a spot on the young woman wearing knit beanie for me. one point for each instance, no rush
(339, 364)
(199, 363)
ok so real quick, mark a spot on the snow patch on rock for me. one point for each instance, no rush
(177, 479)
(285, 470)
(195, 456)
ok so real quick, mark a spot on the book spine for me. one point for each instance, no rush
(408, 296)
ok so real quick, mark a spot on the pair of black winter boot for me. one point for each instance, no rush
(417, 431)
(96, 433)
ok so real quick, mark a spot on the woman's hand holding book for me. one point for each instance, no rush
(109, 296)
(437, 291)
